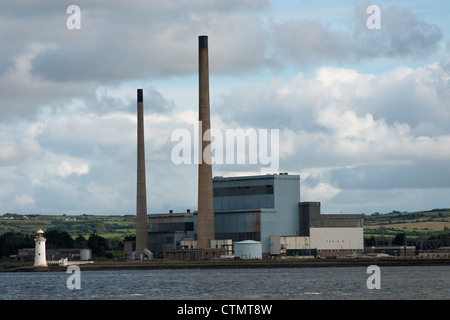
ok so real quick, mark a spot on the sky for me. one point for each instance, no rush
(362, 113)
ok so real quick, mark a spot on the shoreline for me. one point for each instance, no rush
(235, 264)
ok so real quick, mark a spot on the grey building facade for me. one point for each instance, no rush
(256, 207)
(245, 208)
(165, 231)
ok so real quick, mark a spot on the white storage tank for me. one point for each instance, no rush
(85, 254)
(248, 249)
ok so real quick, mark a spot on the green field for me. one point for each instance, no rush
(420, 224)
(105, 226)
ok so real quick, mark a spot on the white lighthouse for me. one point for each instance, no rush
(40, 261)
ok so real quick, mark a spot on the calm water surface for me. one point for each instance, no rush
(424, 283)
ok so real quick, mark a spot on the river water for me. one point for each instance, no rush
(346, 283)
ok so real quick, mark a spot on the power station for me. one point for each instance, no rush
(259, 213)
(252, 216)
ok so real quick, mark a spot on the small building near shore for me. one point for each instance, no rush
(28, 254)
(433, 255)
(394, 251)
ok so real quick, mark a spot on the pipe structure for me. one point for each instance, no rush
(141, 192)
(205, 218)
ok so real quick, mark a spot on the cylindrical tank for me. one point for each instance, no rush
(85, 254)
(248, 249)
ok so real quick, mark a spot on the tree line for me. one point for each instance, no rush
(397, 215)
(11, 242)
(402, 239)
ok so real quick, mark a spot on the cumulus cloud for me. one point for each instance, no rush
(361, 130)
(401, 34)
(45, 64)
(77, 160)
(68, 122)
(311, 42)
(119, 41)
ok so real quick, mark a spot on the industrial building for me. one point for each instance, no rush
(322, 235)
(265, 210)
(166, 231)
(254, 216)
(256, 207)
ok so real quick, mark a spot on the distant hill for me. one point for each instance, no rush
(105, 226)
(414, 224)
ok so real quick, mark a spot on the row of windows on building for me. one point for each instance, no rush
(235, 236)
(243, 191)
(170, 227)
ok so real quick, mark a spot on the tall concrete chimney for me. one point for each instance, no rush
(141, 192)
(205, 219)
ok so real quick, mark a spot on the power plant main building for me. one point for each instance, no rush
(262, 212)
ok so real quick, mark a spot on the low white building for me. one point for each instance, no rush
(226, 244)
(337, 239)
(291, 246)
(321, 235)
